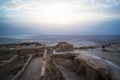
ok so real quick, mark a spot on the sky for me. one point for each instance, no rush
(64, 17)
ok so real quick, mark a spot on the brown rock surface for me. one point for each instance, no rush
(81, 68)
(63, 46)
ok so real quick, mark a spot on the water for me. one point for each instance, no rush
(77, 40)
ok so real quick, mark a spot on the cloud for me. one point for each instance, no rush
(61, 10)
(17, 4)
(3, 18)
(11, 5)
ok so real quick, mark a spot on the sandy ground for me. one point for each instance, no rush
(65, 66)
(111, 56)
(108, 58)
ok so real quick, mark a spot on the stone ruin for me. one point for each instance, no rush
(69, 66)
(63, 46)
(74, 67)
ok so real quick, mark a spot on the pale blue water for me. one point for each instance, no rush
(77, 40)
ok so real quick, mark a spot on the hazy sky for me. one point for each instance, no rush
(60, 17)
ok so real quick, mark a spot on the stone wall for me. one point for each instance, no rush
(19, 73)
(63, 46)
(8, 52)
(22, 51)
(87, 68)
(49, 71)
(6, 57)
(91, 69)
(31, 51)
(7, 67)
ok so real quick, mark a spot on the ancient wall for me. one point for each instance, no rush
(49, 71)
(85, 67)
(19, 73)
(63, 46)
(90, 69)
(8, 52)
(7, 67)
(22, 51)
(6, 57)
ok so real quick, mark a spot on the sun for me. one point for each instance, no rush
(58, 13)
